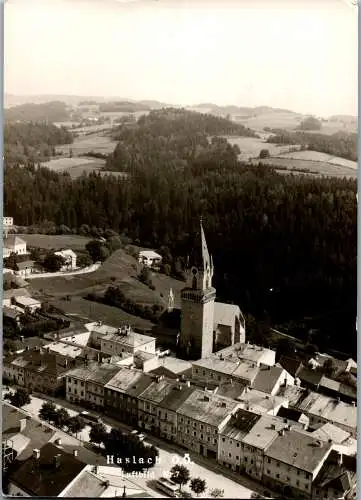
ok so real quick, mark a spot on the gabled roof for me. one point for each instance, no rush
(225, 314)
(291, 365)
(267, 378)
(11, 240)
(40, 477)
(311, 377)
(25, 264)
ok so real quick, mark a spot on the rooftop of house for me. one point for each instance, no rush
(339, 477)
(28, 343)
(291, 365)
(98, 327)
(208, 408)
(338, 387)
(132, 338)
(216, 364)
(158, 390)
(40, 361)
(66, 253)
(143, 356)
(26, 264)
(96, 373)
(178, 394)
(117, 482)
(247, 351)
(267, 378)
(225, 314)
(290, 413)
(330, 409)
(48, 475)
(129, 381)
(16, 292)
(246, 370)
(68, 350)
(87, 485)
(240, 424)
(330, 431)
(175, 365)
(11, 240)
(149, 254)
(299, 450)
(265, 430)
(79, 338)
(233, 389)
(12, 312)
(310, 377)
(27, 301)
(259, 402)
(293, 394)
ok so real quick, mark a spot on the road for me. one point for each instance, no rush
(234, 485)
(85, 270)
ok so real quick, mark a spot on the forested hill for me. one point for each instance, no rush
(49, 112)
(341, 144)
(171, 136)
(294, 234)
(32, 142)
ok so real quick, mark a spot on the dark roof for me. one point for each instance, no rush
(232, 389)
(266, 378)
(340, 477)
(170, 319)
(40, 477)
(139, 386)
(310, 377)
(290, 414)
(36, 432)
(244, 420)
(25, 264)
(291, 365)
(9, 312)
(176, 397)
(199, 256)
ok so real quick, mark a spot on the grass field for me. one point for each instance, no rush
(251, 146)
(322, 157)
(75, 167)
(97, 143)
(120, 270)
(315, 167)
(56, 242)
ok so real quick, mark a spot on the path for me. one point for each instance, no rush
(85, 270)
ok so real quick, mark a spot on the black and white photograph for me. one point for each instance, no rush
(180, 249)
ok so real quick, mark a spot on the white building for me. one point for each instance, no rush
(149, 258)
(8, 223)
(27, 304)
(13, 244)
(125, 340)
(69, 259)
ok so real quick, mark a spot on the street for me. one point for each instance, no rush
(234, 486)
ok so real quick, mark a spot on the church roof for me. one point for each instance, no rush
(225, 314)
(199, 256)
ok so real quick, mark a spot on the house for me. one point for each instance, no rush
(168, 407)
(69, 259)
(230, 438)
(149, 400)
(220, 370)
(8, 223)
(27, 304)
(270, 378)
(173, 368)
(249, 352)
(294, 415)
(200, 419)
(47, 473)
(126, 340)
(24, 269)
(149, 258)
(322, 409)
(343, 442)
(291, 365)
(337, 478)
(12, 315)
(13, 244)
(145, 361)
(260, 402)
(85, 385)
(292, 463)
(121, 394)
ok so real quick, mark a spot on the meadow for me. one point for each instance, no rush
(55, 242)
(250, 147)
(96, 143)
(320, 168)
(75, 167)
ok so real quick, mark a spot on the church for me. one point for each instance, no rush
(203, 325)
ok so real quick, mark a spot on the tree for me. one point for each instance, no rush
(179, 474)
(53, 263)
(12, 261)
(75, 424)
(198, 485)
(20, 398)
(83, 259)
(145, 276)
(264, 153)
(97, 251)
(285, 347)
(62, 418)
(98, 433)
(310, 123)
(48, 411)
(216, 493)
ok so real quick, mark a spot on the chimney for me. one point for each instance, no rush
(353, 403)
(36, 453)
(339, 459)
(22, 338)
(206, 398)
(58, 441)
(281, 432)
(57, 461)
(273, 427)
(188, 383)
(22, 424)
(75, 453)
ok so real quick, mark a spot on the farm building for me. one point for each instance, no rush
(24, 268)
(69, 259)
(149, 258)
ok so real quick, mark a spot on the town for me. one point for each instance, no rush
(78, 398)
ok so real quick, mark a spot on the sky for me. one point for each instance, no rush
(293, 54)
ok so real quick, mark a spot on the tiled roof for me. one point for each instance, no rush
(267, 378)
(298, 450)
(25, 264)
(291, 365)
(87, 485)
(40, 477)
(225, 314)
(240, 424)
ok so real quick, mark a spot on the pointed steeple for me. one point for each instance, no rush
(199, 256)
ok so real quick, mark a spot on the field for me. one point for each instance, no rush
(55, 242)
(251, 146)
(322, 157)
(96, 143)
(75, 167)
(315, 167)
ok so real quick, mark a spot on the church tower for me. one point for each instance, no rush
(197, 299)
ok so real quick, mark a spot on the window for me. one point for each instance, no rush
(202, 426)
(219, 377)
(288, 479)
(223, 440)
(269, 460)
(215, 441)
(268, 471)
(278, 464)
(196, 370)
(245, 459)
(298, 473)
(237, 457)
(230, 455)
(237, 445)
(201, 436)
(251, 462)
(277, 476)
(298, 483)
(194, 433)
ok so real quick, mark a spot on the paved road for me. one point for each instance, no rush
(85, 270)
(234, 485)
